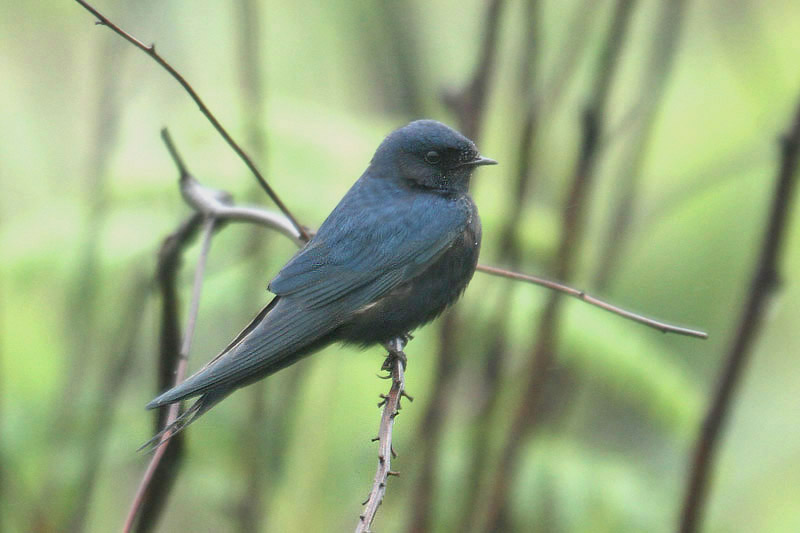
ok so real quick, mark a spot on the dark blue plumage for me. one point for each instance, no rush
(399, 248)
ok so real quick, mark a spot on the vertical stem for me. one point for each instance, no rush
(762, 284)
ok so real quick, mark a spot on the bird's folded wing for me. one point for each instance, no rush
(366, 255)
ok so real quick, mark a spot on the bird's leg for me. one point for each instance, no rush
(395, 348)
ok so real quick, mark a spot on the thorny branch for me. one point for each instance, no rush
(151, 51)
(764, 281)
(395, 364)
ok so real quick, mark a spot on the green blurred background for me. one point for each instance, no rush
(310, 89)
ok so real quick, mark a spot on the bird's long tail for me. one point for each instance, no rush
(279, 335)
(205, 402)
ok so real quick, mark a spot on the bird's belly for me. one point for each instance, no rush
(419, 300)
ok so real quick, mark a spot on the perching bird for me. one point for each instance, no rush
(400, 247)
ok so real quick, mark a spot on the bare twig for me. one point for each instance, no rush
(764, 281)
(581, 295)
(214, 203)
(395, 365)
(151, 51)
(211, 202)
(180, 373)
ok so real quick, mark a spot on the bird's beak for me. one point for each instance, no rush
(480, 161)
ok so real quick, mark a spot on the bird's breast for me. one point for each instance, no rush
(424, 297)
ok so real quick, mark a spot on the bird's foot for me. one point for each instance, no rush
(395, 348)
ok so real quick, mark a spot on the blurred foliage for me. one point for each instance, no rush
(88, 193)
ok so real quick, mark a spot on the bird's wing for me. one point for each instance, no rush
(368, 246)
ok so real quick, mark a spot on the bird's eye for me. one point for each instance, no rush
(432, 157)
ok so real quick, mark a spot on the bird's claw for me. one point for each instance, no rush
(395, 348)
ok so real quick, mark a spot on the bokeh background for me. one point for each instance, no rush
(698, 95)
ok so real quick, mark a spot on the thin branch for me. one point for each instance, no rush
(394, 364)
(764, 281)
(180, 374)
(581, 295)
(151, 51)
(490, 382)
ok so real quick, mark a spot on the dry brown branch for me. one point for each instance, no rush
(765, 280)
(394, 364)
(214, 203)
(663, 327)
(151, 51)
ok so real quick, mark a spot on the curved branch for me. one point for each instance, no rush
(395, 364)
(218, 204)
(151, 51)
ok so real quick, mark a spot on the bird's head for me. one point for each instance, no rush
(428, 154)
